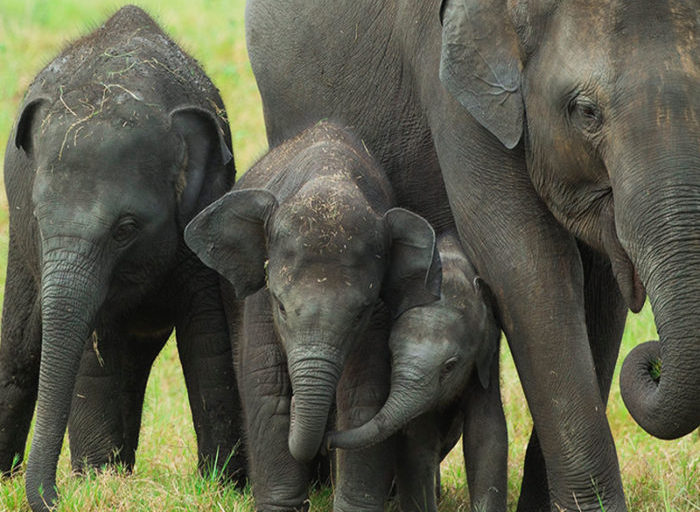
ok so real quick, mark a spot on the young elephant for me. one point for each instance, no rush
(313, 220)
(444, 382)
(120, 141)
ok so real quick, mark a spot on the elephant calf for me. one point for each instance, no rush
(444, 381)
(313, 220)
(119, 142)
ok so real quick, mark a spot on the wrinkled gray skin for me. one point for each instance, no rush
(444, 382)
(117, 145)
(567, 133)
(312, 220)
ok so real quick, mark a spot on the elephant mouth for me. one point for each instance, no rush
(629, 282)
(626, 275)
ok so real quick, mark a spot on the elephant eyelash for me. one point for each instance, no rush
(125, 230)
(583, 113)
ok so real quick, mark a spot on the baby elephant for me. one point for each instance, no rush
(119, 142)
(444, 382)
(314, 221)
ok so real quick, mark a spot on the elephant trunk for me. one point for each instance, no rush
(659, 227)
(69, 303)
(314, 380)
(409, 398)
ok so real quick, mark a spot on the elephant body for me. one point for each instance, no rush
(120, 140)
(570, 166)
(308, 235)
(445, 383)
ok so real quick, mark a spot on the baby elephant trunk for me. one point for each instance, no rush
(407, 400)
(314, 380)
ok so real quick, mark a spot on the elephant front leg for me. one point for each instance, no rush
(20, 351)
(364, 476)
(108, 399)
(533, 266)
(137, 357)
(280, 483)
(418, 464)
(606, 312)
(95, 429)
(485, 443)
(205, 351)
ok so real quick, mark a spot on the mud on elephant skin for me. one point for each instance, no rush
(119, 142)
(313, 220)
(570, 164)
(444, 382)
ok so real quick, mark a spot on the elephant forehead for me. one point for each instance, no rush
(436, 328)
(109, 150)
(328, 226)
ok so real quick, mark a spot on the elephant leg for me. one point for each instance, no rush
(205, 351)
(279, 482)
(418, 464)
(20, 352)
(95, 429)
(364, 477)
(485, 443)
(137, 357)
(533, 266)
(606, 312)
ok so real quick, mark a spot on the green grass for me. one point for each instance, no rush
(657, 475)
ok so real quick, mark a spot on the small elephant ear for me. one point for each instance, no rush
(490, 333)
(207, 171)
(415, 273)
(480, 64)
(24, 134)
(229, 236)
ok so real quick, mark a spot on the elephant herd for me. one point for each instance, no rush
(439, 172)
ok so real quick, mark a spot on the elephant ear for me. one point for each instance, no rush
(229, 236)
(24, 134)
(490, 334)
(415, 273)
(207, 174)
(480, 64)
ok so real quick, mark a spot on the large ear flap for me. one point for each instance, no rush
(206, 173)
(24, 134)
(414, 274)
(229, 236)
(480, 64)
(487, 351)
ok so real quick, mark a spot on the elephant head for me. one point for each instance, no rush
(111, 192)
(434, 350)
(606, 98)
(326, 257)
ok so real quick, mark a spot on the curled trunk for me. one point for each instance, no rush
(69, 303)
(659, 226)
(408, 399)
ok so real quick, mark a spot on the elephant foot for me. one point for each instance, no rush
(10, 463)
(228, 470)
(304, 507)
(352, 504)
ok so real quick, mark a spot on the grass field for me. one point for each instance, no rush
(657, 475)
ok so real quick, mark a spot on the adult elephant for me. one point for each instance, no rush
(570, 164)
(120, 141)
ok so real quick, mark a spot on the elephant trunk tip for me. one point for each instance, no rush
(363, 436)
(641, 383)
(41, 498)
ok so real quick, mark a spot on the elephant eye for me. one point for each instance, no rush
(125, 230)
(449, 365)
(585, 114)
(282, 311)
